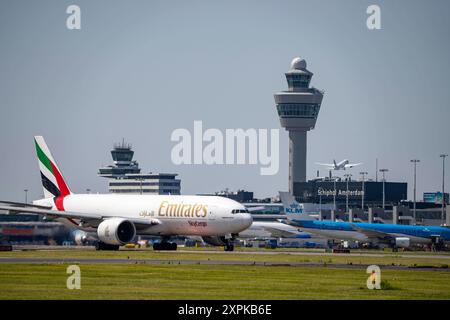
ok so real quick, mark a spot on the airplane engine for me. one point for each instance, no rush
(402, 242)
(116, 231)
(80, 237)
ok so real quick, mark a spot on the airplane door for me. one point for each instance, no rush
(212, 212)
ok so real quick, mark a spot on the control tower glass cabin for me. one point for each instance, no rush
(122, 155)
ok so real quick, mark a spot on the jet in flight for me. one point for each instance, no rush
(118, 218)
(344, 164)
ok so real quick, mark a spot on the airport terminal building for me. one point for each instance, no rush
(371, 192)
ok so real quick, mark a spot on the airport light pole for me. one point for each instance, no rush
(26, 195)
(383, 171)
(334, 195)
(363, 173)
(320, 201)
(415, 161)
(443, 185)
(347, 176)
(376, 170)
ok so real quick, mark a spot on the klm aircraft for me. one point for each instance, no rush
(388, 234)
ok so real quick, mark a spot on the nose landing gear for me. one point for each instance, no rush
(229, 243)
(229, 246)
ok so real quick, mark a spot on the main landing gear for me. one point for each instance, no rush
(165, 245)
(104, 246)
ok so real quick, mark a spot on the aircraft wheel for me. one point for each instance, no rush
(105, 246)
(229, 247)
(165, 246)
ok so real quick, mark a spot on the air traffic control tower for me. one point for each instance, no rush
(298, 109)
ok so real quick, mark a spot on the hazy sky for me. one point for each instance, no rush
(140, 69)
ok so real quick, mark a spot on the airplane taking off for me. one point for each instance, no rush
(344, 164)
(385, 234)
(117, 219)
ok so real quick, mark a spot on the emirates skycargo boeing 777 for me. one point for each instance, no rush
(117, 219)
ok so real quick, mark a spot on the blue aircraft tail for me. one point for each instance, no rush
(293, 209)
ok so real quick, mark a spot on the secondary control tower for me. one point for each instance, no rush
(298, 108)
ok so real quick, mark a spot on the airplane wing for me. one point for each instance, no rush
(22, 205)
(17, 208)
(351, 165)
(276, 216)
(279, 233)
(373, 234)
(293, 222)
(325, 164)
(250, 208)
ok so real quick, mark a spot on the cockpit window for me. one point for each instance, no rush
(239, 211)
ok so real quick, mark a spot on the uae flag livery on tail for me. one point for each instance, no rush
(52, 179)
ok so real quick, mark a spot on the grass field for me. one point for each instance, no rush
(172, 281)
(215, 282)
(378, 258)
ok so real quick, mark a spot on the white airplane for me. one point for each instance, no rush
(117, 219)
(344, 164)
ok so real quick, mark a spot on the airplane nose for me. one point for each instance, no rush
(247, 220)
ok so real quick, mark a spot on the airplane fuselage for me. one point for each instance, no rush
(349, 231)
(173, 215)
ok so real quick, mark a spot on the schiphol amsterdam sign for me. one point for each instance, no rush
(332, 192)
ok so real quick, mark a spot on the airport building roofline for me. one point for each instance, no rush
(150, 174)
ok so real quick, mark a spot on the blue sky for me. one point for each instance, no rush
(140, 69)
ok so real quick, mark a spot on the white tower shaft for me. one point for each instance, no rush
(297, 157)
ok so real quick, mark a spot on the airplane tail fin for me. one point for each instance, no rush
(292, 208)
(52, 180)
(335, 164)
